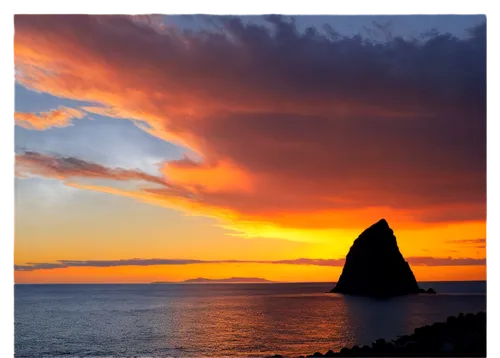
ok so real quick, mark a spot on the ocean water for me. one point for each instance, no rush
(180, 320)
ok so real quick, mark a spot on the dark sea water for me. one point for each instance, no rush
(174, 320)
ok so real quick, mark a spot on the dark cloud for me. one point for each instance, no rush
(69, 167)
(414, 261)
(312, 120)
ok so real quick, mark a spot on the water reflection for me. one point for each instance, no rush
(212, 320)
(258, 325)
(370, 319)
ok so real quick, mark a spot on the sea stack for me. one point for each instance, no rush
(375, 267)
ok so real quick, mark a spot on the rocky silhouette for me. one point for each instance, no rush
(375, 267)
(430, 290)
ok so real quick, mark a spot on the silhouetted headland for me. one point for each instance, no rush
(228, 280)
(224, 280)
(461, 336)
(375, 267)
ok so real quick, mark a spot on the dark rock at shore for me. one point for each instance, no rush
(344, 351)
(461, 336)
(365, 351)
(375, 267)
(430, 291)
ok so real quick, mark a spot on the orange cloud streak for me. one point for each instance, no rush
(60, 117)
(291, 273)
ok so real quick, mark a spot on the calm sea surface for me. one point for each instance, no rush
(162, 320)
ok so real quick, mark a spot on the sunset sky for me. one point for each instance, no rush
(164, 148)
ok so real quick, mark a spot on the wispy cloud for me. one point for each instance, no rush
(479, 243)
(64, 168)
(60, 117)
(445, 261)
(414, 261)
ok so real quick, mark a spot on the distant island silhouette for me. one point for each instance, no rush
(228, 280)
(223, 280)
(375, 267)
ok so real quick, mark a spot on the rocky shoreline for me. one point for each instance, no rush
(460, 336)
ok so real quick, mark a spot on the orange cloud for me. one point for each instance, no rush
(211, 178)
(298, 224)
(60, 117)
(293, 130)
